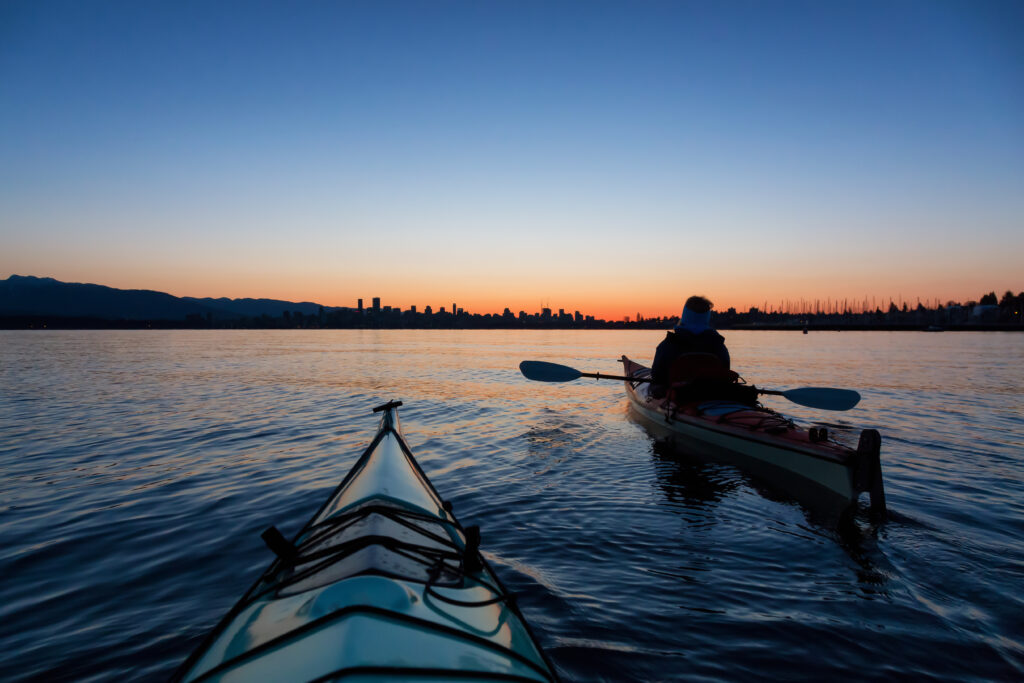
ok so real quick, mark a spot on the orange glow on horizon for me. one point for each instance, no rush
(607, 298)
(607, 308)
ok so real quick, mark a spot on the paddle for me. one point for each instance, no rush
(823, 398)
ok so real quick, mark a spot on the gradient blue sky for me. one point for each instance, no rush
(607, 157)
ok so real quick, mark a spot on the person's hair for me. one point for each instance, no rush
(698, 304)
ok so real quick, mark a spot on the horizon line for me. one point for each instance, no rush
(785, 305)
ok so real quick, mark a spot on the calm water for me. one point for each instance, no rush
(137, 470)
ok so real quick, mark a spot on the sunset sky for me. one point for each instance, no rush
(606, 157)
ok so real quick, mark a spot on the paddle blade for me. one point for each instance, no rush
(539, 371)
(823, 398)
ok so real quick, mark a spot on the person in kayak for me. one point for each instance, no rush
(693, 360)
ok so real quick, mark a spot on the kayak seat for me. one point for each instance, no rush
(703, 376)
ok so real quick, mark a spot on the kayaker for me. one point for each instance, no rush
(693, 350)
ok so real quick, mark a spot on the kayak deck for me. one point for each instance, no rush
(810, 467)
(383, 583)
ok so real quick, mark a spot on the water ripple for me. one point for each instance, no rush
(137, 470)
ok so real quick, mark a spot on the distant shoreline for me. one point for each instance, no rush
(30, 302)
(79, 323)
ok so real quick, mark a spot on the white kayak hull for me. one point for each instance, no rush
(383, 584)
(825, 474)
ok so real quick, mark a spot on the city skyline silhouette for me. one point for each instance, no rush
(27, 301)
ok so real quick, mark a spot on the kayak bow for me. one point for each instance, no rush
(382, 584)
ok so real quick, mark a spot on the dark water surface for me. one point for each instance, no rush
(137, 470)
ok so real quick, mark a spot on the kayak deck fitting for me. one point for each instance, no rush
(382, 584)
(812, 466)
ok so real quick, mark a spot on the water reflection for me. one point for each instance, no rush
(688, 481)
(692, 481)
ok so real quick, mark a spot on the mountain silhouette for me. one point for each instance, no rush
(253, 308)
(26, 295)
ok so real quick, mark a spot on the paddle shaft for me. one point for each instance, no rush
(824, 398)
(598, 375)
